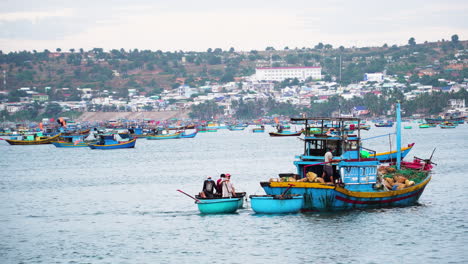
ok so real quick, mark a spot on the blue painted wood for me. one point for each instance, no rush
(218, 206)
(271, 204)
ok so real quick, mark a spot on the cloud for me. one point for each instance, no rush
(34, 17)
(244, 25)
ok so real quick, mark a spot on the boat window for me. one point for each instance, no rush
(352, 145)
(315, 148)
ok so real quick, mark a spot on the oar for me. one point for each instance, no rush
(189, 195)
(430, 158)
(285, 191)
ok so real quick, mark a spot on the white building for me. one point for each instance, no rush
(282, 73)
(374, 77)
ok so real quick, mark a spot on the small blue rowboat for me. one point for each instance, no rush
(218, 206)
(276, 204)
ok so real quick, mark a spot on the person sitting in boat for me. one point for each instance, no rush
(227, 187)
(327, 174)
(219, 188)
(208, 188)
(279, 128)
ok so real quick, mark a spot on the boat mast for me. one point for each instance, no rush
(398, 135)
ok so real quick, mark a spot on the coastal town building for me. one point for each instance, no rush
(282, 73)
(374, 77)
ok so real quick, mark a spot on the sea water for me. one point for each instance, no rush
(60, 205)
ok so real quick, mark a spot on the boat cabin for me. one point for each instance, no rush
(345, 147)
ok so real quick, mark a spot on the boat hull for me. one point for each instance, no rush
(192, 135)
(285, 134)
(392, 155)
(129, 144)
(218, 206)
(271, 204)
(323, 197)
(258, 130)
(240, 195)
(32, 142)
(159, 137)
(60, 144)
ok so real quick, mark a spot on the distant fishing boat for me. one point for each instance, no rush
(164, 136)
(440, 120)
(391, 155)
(71, 141)
(446, 125)
(236, 128)
(285, 134)
(407, 127)
(387, 123)
(34, 139)
(365, 127)
(190, 135)
(113, 141)
(260, 129)
(276, 204)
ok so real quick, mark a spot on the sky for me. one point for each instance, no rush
(196, 25)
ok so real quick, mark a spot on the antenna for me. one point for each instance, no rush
(340, 70)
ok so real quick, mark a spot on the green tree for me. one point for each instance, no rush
(206, 111)
(412, 41)
(52, 110)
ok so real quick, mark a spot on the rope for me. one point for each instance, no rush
(378, 136)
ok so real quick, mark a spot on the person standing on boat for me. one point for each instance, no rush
(208, 188)
(227, 187)
(327, 174)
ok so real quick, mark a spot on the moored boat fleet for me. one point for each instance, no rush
(333, 172)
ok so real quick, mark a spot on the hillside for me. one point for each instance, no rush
(154, 71)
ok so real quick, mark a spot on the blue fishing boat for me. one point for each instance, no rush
(389, 155)
(190, 135)
(218, 206)
(31, 139)
(71, 141)
(276, 204)
(387, 123)
(286, 134)
(164, 136)
(446, 125)
(440, 120)
(359, 183)
(260, 129)
(236, 128)
(114, 141)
